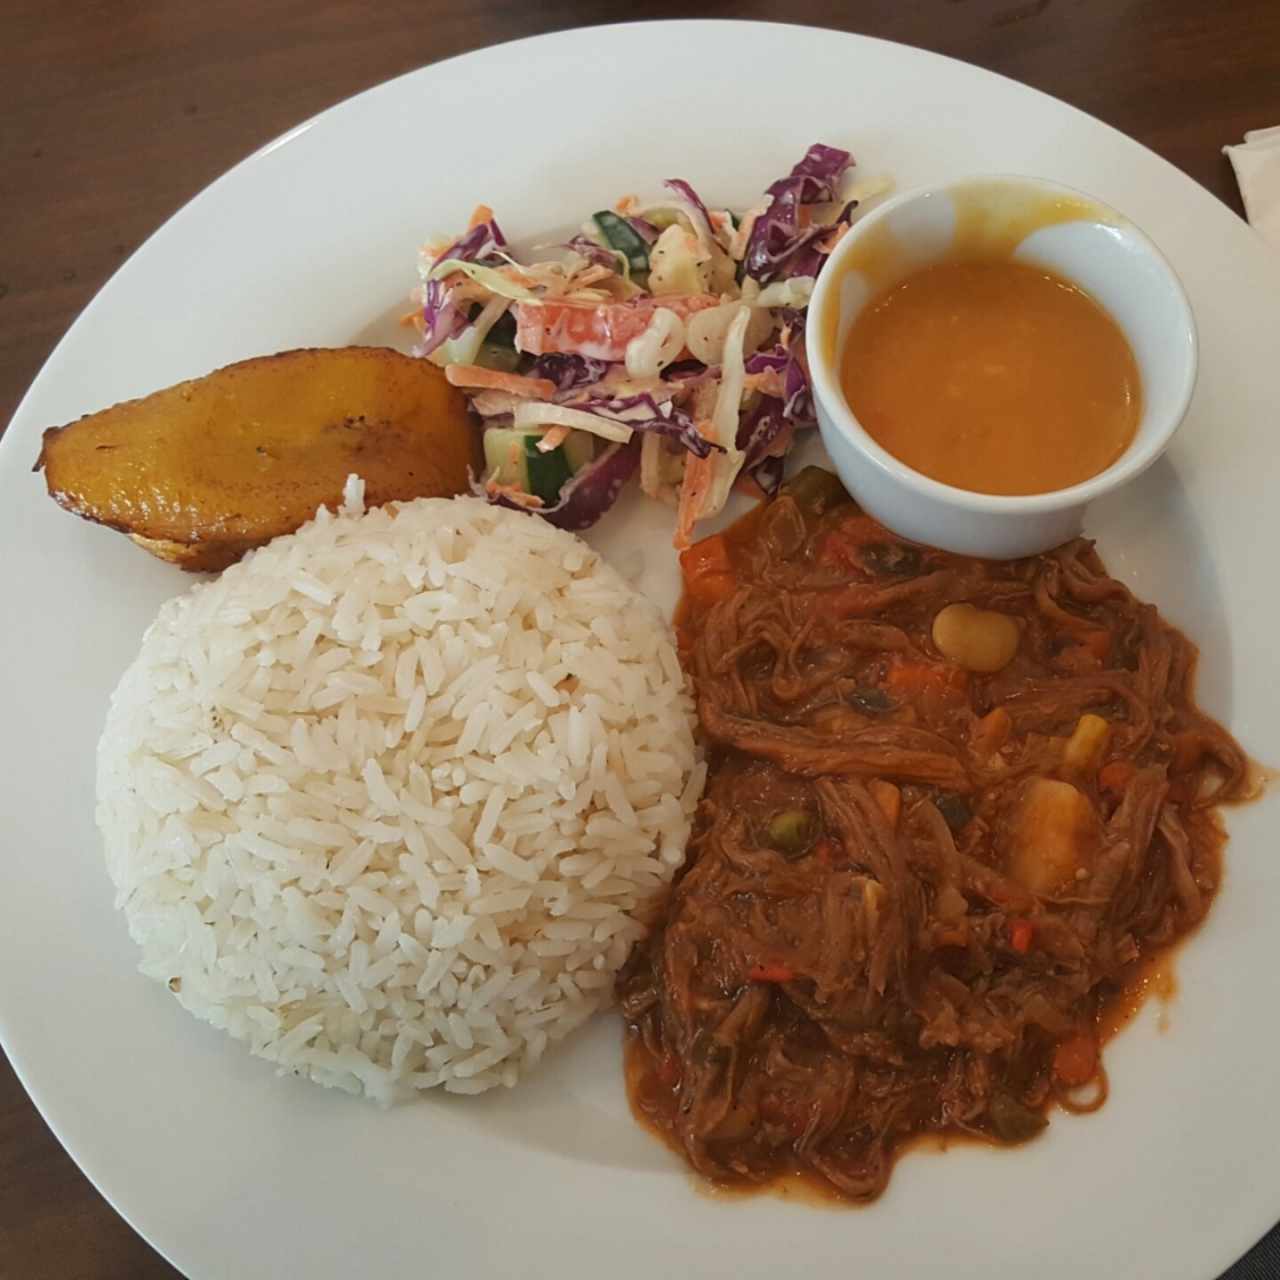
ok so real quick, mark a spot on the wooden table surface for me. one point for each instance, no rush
(114, 112)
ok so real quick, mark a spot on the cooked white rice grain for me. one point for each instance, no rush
(383, 799)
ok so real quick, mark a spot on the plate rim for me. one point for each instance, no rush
(47, 369)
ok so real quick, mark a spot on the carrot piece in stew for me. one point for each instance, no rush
(708, 571)
(911, 680)
(1114, 777)
(888, 797)
(825, 851)
(1021, 935)
(1075, 1061)
(840, 547)
(770, 973)
(990, 733)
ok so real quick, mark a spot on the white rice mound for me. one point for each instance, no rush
(382, 800)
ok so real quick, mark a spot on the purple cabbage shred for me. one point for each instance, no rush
(657, 419)
(777, 239)
(568, 371)
(587, 248)
(643, 228)
(686, 193)
(441, 319)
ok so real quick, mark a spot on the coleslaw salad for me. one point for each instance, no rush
(664, 340)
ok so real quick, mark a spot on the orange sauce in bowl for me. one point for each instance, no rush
(994, 376)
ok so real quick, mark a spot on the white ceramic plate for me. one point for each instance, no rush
(231, 1171)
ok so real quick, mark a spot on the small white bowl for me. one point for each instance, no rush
(1032, 221)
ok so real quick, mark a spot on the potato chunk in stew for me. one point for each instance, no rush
(1053, 836)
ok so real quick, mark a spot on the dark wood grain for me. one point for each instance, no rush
(114, 112)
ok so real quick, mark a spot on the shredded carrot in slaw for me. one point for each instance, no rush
(474, 376)
(768, 382)
(698, 473)
(552, 438)
(827, 243)
(530, 501)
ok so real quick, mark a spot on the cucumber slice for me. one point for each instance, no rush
(493, 356)
(503, 333)
(504, 456)
(547, 471)
(618, 234)
(515, 459)
(498, 350)
(580, 448)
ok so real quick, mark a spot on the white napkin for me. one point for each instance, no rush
(1257, 164)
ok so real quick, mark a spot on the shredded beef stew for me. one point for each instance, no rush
(932, 851)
